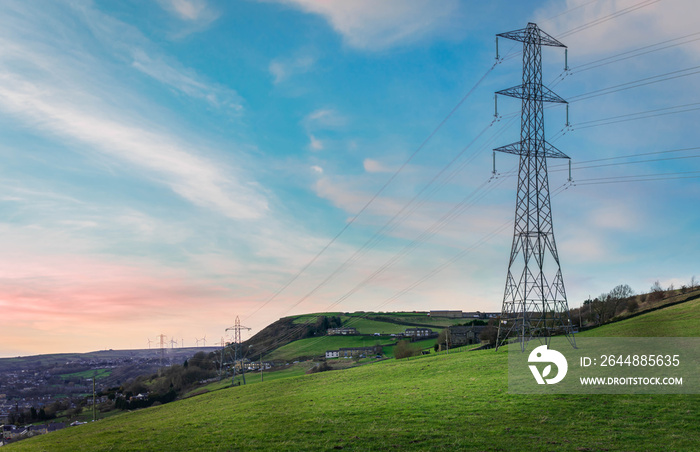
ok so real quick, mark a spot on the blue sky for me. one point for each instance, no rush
(169, 165)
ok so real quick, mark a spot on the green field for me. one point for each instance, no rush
(446, 402)
(367, 326)
(422, 318)
(96, 373)
(311, 318)
(317, 346)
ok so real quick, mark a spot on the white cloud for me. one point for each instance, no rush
(130, 45)
(164, 157)
(317, 169)
(327, 118)
(185, 81)
(315, 144)
(373, 166)
(197, 12)
(368, 24)
(601, 26)
(55, 86)
(284, 68)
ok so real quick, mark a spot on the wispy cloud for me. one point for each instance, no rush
(315, 144)
(326, 118)
(284, 68)
(127, 43)
(164, 157)
(64, 92)
(611, 26)
(185, 81)
(374, 166)
(194, 10)
(372, 25)
(194, 15)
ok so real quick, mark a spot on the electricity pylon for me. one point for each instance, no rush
(237, 352)
(161, 338)
(534, 302)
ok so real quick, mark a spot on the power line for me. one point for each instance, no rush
(631, 163)
(570, 9)
(438, 225)
(614, 15)
(598, 21)
(639, 178)
(626, 10)
(636, 83)
(390, 224)
(294, 332)
(630, 156)
(616, 58)
(376, 195)
(639, 115)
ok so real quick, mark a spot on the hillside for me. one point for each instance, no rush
(304, 336)
(675, 320)
(439, 402)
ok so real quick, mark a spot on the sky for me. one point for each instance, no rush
(169, 165)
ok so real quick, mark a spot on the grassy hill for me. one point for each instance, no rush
(304, 336)
(678, 320)
(438, 402)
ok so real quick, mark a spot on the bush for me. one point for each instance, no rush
(403, 350)
(321, 367)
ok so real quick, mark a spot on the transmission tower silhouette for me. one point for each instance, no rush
(534, 302)
(161, 337)
(237, 352)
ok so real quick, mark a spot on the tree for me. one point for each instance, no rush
(617, 298)
(442, 339)
(490, 333)
(598, 308)
(404, 350)
(657, 293)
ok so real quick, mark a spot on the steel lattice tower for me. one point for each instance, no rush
(237, 344)
(534, 302)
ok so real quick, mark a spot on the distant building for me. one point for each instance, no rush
(344, 331)
(465, 335)
(332, 354)
(357, 351)
(418, 333)
(481, 315)
(255, 365)
(450, 314)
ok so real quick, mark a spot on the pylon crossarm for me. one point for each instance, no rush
(534, 93)
(518, 148)
(532, 35)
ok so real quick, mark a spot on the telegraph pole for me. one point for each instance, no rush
(534, 302)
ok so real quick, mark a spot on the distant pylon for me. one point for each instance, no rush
(161, 338)
(534, 302)
(237, 352)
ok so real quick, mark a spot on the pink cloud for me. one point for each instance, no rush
(67, 299)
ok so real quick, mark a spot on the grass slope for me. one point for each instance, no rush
(448, 402)
(680, 320)
(438, 402)
(317, 346)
